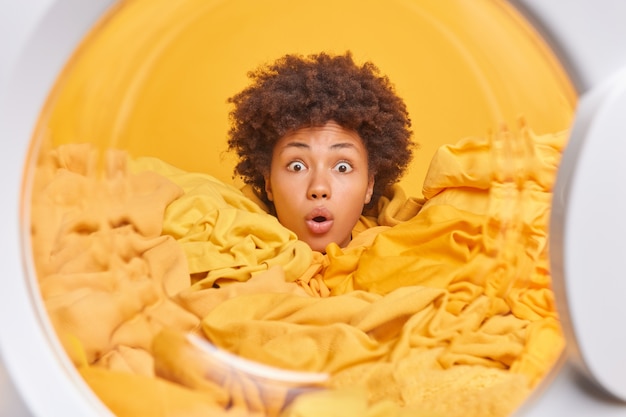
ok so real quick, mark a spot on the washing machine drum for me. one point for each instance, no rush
(166, 288)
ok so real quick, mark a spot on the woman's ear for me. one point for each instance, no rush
(268, 187)
(370, 190)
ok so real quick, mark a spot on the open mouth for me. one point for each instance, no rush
(319, 221)
(319, 225)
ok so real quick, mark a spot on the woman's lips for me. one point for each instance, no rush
(319, 221)
(319, 228)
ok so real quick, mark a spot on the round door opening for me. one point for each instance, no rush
(174, 289)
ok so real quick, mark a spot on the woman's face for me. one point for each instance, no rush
(319, 182)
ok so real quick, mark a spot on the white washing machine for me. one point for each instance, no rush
(38, 36)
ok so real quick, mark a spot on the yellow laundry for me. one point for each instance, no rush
(439, 306)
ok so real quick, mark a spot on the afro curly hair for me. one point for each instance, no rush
(305, 91)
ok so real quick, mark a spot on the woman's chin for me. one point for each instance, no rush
(319, 247)
(321, 243)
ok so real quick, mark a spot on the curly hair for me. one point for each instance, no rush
(297, 91)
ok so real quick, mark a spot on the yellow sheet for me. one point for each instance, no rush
(439, 306)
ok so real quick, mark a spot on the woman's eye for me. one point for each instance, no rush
(343, 167)
(296, 166)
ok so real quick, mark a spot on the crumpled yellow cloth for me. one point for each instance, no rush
(466, 277)
(105, 271)
(226, 237)
(440, 306)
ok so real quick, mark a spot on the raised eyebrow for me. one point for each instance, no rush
(302, 145)
(296, 145)
(342, 145)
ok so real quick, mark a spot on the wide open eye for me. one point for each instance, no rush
(343, 167)
(296, 166)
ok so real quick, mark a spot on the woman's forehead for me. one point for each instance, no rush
(321, 141)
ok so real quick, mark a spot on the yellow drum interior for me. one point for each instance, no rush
(154, 76)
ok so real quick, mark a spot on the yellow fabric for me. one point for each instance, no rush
(127, 394)
(439, 306)
(105, 271)
(225, 236)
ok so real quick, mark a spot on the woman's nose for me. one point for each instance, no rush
(319, 188)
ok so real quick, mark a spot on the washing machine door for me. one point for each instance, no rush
(587, 221)
(36, 40)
